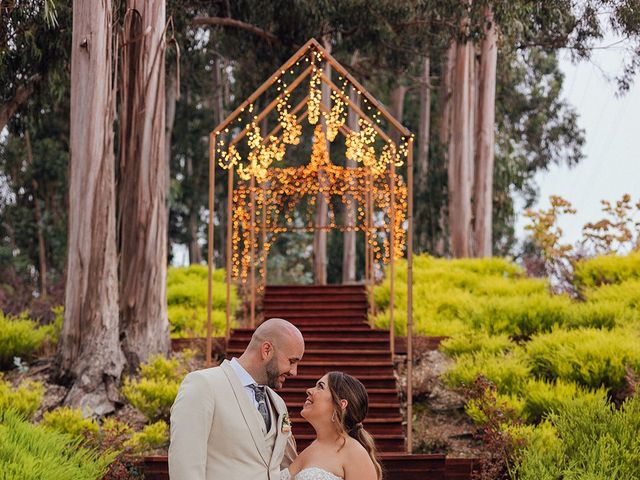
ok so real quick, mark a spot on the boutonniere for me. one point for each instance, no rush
(286, 424)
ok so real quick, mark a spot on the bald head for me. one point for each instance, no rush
(273, 353)
(277, 331)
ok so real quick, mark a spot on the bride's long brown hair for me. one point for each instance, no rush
(345, 387)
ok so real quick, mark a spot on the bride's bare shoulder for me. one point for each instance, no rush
(357, 462)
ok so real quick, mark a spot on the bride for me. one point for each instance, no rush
(343, 449)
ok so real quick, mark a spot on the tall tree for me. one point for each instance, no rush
(142, 184)
(89, 355)
(485, 140)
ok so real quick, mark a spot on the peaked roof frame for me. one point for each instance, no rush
(307, 49)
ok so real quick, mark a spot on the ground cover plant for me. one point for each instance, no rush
(549, 356)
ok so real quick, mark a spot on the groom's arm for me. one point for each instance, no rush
(290, 453)
(191, 418)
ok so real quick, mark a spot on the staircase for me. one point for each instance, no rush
(333, 321)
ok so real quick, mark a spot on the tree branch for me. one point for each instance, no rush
(230, 22)
(19, 97)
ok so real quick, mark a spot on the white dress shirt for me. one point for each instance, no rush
(245, 379)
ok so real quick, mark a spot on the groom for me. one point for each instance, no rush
(227, 423)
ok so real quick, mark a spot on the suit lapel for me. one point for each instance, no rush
(281, 410)
(247, 410)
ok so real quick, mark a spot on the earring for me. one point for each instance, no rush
(333, 417)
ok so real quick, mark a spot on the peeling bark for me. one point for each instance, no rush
(89, 355)
(484, 157)
(142, 187)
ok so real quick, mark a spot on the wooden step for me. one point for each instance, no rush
(313, 304)
(313, 289)
(376, 410)
(303, 297)
(369, 381)
(376, 395)
(390, 425)
(334, 355)
(385, 442)
(356, 369)
(337, 342)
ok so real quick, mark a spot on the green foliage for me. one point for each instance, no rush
(70, 420)
(31, 452)
(541, 398)
(606, 270)
(19, 337)
(187, 301)
(590, 357)
(152, 437)
(509, 372)
(23, 400)
(594, 441)
(156, 389)
(472, 342)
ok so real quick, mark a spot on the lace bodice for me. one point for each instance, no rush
(311, 473)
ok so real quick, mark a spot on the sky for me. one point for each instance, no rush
(611, 166)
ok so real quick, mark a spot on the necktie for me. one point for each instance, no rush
(261, 398)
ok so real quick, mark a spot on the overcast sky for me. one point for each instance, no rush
(611, 166)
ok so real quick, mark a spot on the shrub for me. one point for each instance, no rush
(31, 452)
(19, 337)
(152, 437)
(542, 398)
(590, 357)
(71, 421)
(187, 289)
(154, 393)
(509, 372)
(23, 400)
(594, 441)
(607, 269)
(474, 342)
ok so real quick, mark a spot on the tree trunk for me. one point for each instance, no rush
(322, 207)
(42, 252)
(397, 109)
(460, 153)
(444, 136)
(422, 164)
(142, 193)
(484, 157)
(89, 355)
(218, 117)
(23, 92)
(349, 237)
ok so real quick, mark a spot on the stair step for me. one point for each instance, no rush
(354, 368)
(333, 355)
(314, 304)
(369, 381)
(388, 443)
(326, 343)
(376, 410)
(303, 297)
(376, 395)
(313, 289)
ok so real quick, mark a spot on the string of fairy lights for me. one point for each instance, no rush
(268, 196)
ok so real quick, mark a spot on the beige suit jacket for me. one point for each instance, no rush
(216, 435)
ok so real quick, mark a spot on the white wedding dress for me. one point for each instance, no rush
(311, 473)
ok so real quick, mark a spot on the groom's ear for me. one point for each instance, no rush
(266, 349)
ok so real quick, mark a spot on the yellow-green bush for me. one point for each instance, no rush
(30, 451)
(509, 372)
(590, 357)
(23, 400)
(591, 441)
(541, 398)
(152, 437)
(19, 337)
(187, 289)
(607, 269)
(71, 421)
(154, 392)
(473, 342)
